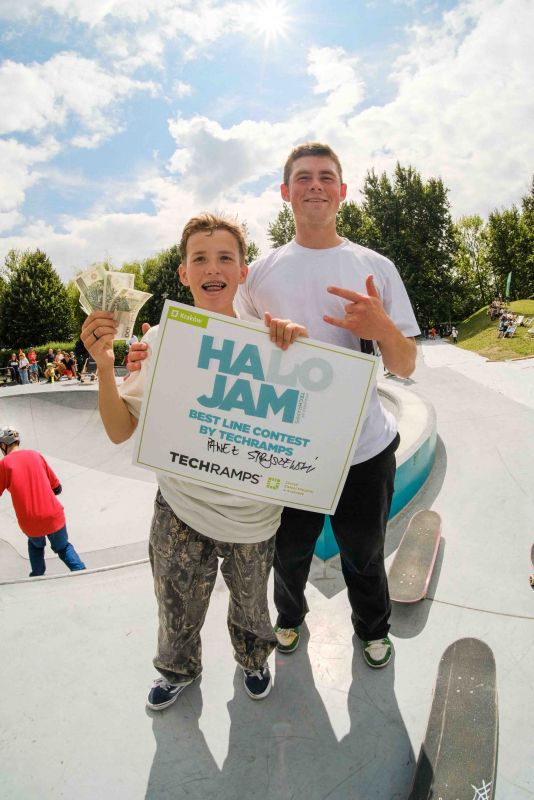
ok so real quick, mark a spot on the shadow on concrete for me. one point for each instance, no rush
(285, 746)
(424, 498)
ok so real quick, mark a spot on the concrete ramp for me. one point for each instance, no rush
(107, 500)
(332, 729)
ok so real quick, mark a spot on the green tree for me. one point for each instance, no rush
(163, 283)
(354, 224)
(136, 268)
(282, 230)
(527, 219)
(77, 313)
(35, 305)
(253, 252)
(3, 287)
(410, 223)
(509, 250)
(475, 277)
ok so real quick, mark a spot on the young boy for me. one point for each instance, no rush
(33, 487)
(193, 525)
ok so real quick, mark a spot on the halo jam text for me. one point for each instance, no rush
(313, 374)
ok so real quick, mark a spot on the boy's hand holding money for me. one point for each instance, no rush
(98, 332)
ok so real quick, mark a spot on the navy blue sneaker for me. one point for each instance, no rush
(164, 694)
(258, 682)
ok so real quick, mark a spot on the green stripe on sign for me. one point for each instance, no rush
(189, 317)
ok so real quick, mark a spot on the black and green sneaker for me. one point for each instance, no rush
(377, 652)
(288, 639)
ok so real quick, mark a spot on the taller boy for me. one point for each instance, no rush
(302, 280)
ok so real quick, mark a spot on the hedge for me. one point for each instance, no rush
(120, 349)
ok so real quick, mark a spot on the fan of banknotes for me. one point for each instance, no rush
(112, 291)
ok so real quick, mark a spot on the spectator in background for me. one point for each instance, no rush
(68, 363)
(13, 365)
(50, 356)
(454, 334)
(24, 366)
(74, 364)
(50, 372)
(81, 355)
(33, 369)
(59, 365)
(503, 326)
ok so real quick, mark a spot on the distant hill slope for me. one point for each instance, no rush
(479, 334)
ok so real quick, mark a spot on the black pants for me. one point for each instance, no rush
(359, 526)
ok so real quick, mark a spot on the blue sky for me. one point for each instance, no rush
(119, 119)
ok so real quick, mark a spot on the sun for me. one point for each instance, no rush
(270, 20)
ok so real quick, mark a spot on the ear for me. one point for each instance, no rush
(343, 191)
(182, 274)
(284, 191)
(243, 272)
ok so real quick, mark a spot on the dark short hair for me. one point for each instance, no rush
(310, 149)
(208, 223)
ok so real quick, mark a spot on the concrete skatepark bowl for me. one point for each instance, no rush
(77, 649)
(108, 501)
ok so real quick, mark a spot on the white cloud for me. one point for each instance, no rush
(337, 77)
(90, 13)
(214, 160)
(9, 220)
(181, 89)
(17, 174)
(36, 96)
(463, 110)
(134, 33)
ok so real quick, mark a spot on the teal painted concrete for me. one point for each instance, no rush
(409, 478)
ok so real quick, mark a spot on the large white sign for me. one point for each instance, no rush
(226, 408)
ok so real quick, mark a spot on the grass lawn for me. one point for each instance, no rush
(479, 334)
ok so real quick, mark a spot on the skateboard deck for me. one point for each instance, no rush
(414, 560)
(458, 757)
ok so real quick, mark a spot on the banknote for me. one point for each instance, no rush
(84, 303)
(113, 282)
(91, 285)
(125, 305)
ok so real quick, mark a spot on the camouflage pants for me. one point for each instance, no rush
(184, 565)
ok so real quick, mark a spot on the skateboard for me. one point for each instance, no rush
(458, 758)
(88, 372)
(414, 560)
(532, 561)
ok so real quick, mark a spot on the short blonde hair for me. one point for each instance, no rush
(310, 149)
(207, 223)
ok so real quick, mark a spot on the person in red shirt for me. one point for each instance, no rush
(33, 487)
(33, 368)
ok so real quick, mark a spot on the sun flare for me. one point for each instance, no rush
(270, 20)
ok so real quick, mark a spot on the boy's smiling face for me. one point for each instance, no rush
(315, 189)
(213, 270)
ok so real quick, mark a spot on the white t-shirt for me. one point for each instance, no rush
(219, 515)
(291, 283)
